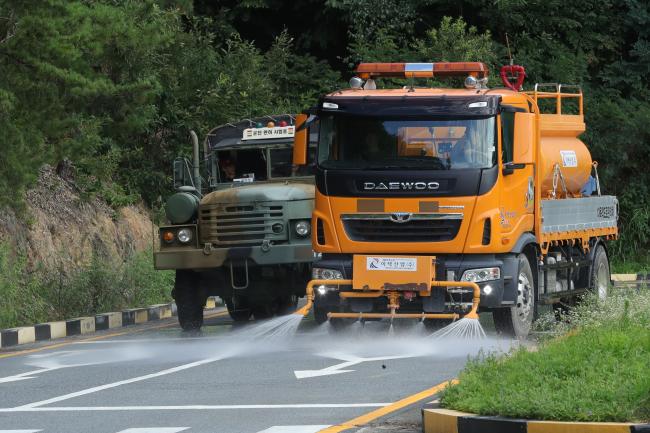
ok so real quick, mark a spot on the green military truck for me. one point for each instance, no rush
(239, 222)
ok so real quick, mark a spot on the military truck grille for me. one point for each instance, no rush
(402, 227)
(241, 225)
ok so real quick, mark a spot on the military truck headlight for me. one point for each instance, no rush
(303, 228)
(326, 274)
(482, 274)
(184, 236)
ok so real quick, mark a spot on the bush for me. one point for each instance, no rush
(596, 371)
(50, 294)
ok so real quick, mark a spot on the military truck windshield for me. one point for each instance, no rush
(251, 165)
(352, 142)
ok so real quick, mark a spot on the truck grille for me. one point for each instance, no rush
(242, 225)
(402, 227)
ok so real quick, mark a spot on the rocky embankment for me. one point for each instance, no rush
(60, 229)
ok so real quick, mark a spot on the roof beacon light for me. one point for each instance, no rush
(370, 85)
(356, 82)
(424, 70)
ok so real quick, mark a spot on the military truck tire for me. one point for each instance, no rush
(600, 275)
(188, 300)
(516, 321)
(262, 311)
(287, 304)
(238, 308)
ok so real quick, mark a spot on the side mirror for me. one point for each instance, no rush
(179, 172)
(183, 174)
(524, 139)
(300, 140)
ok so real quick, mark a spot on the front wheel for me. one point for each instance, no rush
(188, 299)
(517, 320)
(238, 308)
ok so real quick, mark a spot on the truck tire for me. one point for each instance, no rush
(320, 314)
(188, 300)
(238, 308)
(600, 276)
(516, 321)
(263, 311)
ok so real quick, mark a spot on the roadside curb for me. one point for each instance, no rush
(438, 420)
(88, 325)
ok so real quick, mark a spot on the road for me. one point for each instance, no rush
(155, 378)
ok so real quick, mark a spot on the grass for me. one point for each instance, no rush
(29, 296)
(597, 369)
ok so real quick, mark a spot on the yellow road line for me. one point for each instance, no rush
(102, 337)
(378, 413)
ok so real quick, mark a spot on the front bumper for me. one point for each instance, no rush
(193, 258)
(450, 267)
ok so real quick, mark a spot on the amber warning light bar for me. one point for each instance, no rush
(422, 70)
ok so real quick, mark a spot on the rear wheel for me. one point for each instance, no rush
(189, 301)
(516, 321)
(238, 308)
(600, 274)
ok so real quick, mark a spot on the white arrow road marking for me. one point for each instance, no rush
(154, 430)
(60, 354)
(350, 360)
(50, 362)
(294, 429)
(26, 375)
(122, 382)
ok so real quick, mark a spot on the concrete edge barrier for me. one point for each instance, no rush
(50, 330)
(87, 325)
(438, 420)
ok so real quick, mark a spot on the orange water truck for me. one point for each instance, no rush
(440, 203)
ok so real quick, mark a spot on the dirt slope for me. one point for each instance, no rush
(60, 229)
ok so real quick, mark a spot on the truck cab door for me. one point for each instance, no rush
(516, 208)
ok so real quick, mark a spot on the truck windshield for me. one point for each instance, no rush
(349, 142)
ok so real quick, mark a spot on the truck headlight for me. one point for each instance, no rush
(482, 274)
(326, 274)
(302, 228)
(184, 236)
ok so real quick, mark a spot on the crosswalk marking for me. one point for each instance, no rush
(294, 429)
(154, 430)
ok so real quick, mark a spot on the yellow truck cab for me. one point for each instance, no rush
(437, 203)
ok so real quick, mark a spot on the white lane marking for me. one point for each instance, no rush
(191, 407)
(350, 360)
(295, 429)
(121, 382)
(20, 431)
(154, 430)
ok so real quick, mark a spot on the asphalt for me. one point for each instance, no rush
(155, 378)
